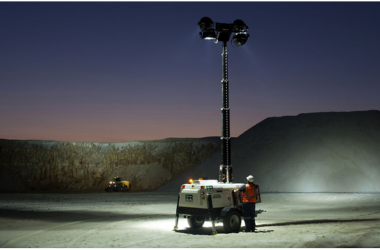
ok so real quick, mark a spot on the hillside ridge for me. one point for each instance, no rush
(309, 152)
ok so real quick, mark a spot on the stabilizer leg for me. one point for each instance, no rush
(211, 213)
(177, 215)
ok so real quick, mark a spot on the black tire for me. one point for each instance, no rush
(232, 222)
(196, 221)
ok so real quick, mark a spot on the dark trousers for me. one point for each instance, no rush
(249, 216)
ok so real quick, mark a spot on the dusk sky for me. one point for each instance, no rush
(121, 71)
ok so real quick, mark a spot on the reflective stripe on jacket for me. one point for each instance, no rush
(249, 195)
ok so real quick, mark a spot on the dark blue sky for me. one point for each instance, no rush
(123, 71)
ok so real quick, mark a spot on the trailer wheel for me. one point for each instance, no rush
(196, 221)
(232, 222)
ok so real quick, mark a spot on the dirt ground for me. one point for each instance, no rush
(146, 220)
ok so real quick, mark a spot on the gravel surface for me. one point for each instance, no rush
(146, 220)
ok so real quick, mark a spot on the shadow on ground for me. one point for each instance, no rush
(219, 229)
(77, 215)
(305, 222)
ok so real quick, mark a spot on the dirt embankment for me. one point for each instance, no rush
(73, 166)
(314, 152)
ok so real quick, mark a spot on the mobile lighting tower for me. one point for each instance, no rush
(212, 200)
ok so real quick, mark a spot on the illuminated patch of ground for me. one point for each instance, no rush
(133, 220)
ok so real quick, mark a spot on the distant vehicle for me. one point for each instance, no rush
(117, 184)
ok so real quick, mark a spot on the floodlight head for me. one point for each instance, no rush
(240, 38)
(207, 35)
(239, 26)
(206, 24)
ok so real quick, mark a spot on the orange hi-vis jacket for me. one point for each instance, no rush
(249, 195)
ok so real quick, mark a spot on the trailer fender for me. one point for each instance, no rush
(225, 211)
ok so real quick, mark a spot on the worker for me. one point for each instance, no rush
(249, 204)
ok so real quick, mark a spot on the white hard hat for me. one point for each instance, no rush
(250, 178)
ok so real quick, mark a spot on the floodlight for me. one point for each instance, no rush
(239, 26)
(240, 38)
(208, 35)
(206, 24)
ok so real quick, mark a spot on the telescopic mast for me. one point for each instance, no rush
(222, 32)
